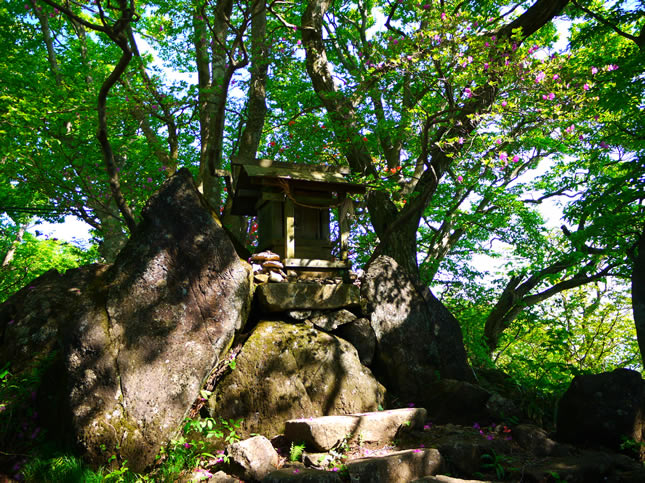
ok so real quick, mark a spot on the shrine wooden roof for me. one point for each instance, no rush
(251, 179)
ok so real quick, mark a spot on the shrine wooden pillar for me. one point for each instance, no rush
(289, 229)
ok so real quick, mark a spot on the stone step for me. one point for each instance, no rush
(446, 479)
(398, 467)
(302, 475)
(323, 433)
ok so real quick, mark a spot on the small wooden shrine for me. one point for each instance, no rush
(293, 203)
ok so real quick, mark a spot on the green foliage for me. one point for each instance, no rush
(635, 449)
(225, 429)
(34, 256)
(190, 451)
(497, 464)
(61, 468)
(20, 430)
(296, 451)
(585, 330)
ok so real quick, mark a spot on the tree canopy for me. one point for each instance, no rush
(463, 118)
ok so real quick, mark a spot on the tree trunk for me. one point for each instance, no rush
(214, 76)
(397, 233)
(8, 256)
(638, 294)
(114, 238)
(397, 229)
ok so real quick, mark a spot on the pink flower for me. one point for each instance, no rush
(504, 103)
(486, 66)
(611, 67)
(570, 129)
(503, 157)
(498, 141)
(604, 145)
(149, 180)
(460, 178)
(460, 140)
(487, 44)
(556, 76)
(539, 77)
(468, 92)
(443, 14)
(586, 87)
(516, 158)
(594, 71)
(551, 96)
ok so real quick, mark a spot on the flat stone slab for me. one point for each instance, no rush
(407, 465)
(281, 297)
(323, 433)
(446, 479)
(302, 475)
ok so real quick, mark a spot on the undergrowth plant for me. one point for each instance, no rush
(296, 451)
(182, 456)
(495, 463)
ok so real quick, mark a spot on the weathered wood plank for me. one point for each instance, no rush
(318, 264)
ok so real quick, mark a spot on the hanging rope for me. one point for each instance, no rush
(286, 189)
(35, 210)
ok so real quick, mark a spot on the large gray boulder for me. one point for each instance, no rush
(360, 334)
(129, 346)
(603, 409)
(290, 371)
(418, 340)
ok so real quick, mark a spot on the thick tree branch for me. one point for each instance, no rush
(640, 40)
(47, 37)
(638, 293)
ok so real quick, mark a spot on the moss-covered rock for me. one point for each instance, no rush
(289, 371)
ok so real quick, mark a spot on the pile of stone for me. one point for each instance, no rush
(267, 267)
